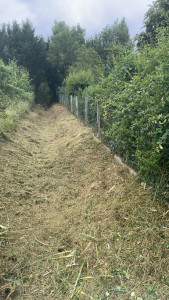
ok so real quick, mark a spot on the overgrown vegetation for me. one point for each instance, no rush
(106, 42)
(135, 114)
(134, 96)
(16, 94)
(156, 17)
(19, 43)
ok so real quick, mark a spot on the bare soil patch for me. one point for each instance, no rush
(75, 223)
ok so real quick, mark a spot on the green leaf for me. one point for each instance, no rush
(151, 288)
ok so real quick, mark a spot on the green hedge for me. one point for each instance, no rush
(135, 109)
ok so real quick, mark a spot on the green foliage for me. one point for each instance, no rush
(63, 45)
(4, 103)
(43, 94)
(135, 108)
(92, 95)
(156, 17)
(14, 81)
(86, 70)
(76, 82)
(16, 94)
(88, 60)
(19, 43)
(105, 43)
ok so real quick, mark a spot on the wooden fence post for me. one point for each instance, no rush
(67, 100)
(77, 112)
(86, 110)
(71, 100)
(98, 120)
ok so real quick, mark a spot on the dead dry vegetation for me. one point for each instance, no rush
(77, 225)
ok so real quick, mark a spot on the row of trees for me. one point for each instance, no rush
(114, 41)
(95, 59)
(66, 52)
(47, 62)
(19, 43)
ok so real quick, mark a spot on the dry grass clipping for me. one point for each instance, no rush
(75, 223)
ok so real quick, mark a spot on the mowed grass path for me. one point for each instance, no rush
(78, 225)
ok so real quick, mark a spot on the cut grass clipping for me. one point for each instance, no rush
(74, 223)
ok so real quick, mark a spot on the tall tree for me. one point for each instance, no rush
(20, 43)
(88, 59)
(105, 42)
(88, 69)
(63, 45)
(157, 16)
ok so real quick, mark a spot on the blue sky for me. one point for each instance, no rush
(92, 15)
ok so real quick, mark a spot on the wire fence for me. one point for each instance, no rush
(86, 109)
(90, 112)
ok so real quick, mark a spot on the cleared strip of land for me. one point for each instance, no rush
(75, 224)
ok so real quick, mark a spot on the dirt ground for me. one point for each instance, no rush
(74, 223)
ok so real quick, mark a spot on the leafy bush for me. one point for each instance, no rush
(76, 82)
(135, 108)
(16, 94)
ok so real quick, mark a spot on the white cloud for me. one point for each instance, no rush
(14, 10)
(93, 15)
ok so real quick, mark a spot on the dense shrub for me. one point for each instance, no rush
(76, 82)
(135, 108)
(16, 94)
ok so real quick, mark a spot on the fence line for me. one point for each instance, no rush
(89, 112)
(71, 101)
(98, 120)
(77, 107)
(86, 110)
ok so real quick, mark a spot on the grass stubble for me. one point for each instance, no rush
(74, 223)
